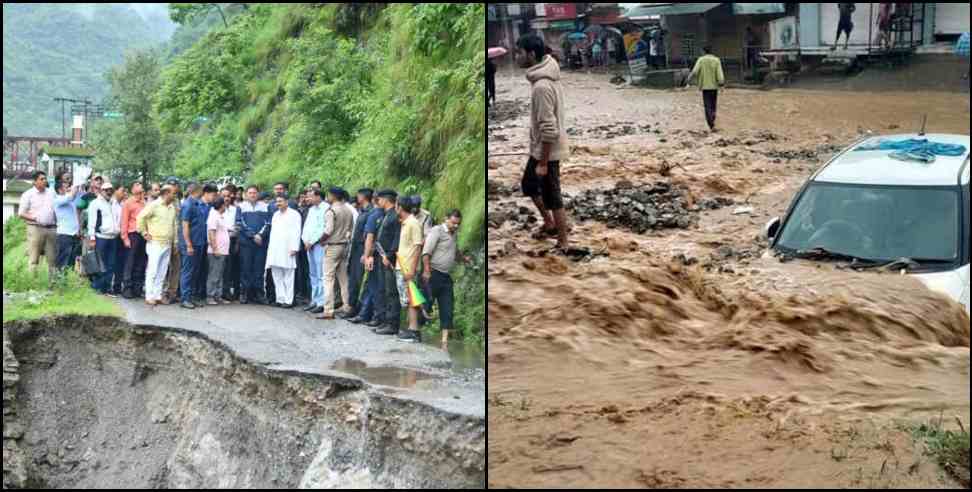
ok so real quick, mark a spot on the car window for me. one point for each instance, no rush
(882, 223)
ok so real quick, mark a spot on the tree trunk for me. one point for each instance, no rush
(220, 9)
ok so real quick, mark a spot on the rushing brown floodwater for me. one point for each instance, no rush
(635, 370)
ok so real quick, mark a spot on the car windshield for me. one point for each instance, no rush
(877, 223)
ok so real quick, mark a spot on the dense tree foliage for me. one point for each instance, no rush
(287, 95)
(353, 95)
(185, 13)
(133, 146)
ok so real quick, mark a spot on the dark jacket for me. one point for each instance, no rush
(358, 236)
(253, 220)
(388, 234)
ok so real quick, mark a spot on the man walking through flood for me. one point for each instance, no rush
(708, 72)
(548, 138)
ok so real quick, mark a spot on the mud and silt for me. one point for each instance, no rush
(682, 357)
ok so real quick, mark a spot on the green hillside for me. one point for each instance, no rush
(351, 94)
(52, 50)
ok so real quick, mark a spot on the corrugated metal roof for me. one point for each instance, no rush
(671, 9)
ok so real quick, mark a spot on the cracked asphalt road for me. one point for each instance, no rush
(291, 340)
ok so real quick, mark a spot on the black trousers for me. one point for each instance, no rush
(440, 290)
(391, 305)
(121, 258)
(201, 276)
(355, 276)
(135, 263)
(68, 248)
(269, 287)
(546, 187)
(252, 259)
(231, 274)
(491, 87)
(710, 99)
(302, 276)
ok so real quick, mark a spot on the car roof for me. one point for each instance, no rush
(878, 168)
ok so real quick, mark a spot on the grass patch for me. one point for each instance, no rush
(32, 298)
(949, 448)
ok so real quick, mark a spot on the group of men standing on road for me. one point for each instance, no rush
(362, 260)
(549, 145)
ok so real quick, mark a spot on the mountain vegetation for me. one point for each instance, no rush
(65, 50)
(350, 94)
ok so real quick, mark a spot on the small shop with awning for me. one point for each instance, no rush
(690, 26)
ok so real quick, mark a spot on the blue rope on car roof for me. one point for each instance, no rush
(915, 149)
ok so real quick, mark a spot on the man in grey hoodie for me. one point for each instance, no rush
(548, 137)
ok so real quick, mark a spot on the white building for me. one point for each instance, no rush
(813, 30)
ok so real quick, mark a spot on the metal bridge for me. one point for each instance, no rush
(20, 154)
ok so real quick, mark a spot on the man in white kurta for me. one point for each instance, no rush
(282, 251)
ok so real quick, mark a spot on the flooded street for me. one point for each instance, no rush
(669, 351)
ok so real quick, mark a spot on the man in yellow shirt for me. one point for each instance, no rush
(409, 252)
(157, 224)
(708, 71)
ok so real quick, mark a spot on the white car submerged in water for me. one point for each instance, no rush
(874, 211)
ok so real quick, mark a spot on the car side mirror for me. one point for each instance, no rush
(771, 229)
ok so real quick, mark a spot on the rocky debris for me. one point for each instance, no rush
(803, 154)
(492, 188)
(498, 133)
(722, 259)
(618, 129)
(686, 259)
(496, 190)
(510, 212)
(196, 424)
(727, 253)
(507, 110)
(639, 209)
(14, 459)
(748, 140)
(715, 203)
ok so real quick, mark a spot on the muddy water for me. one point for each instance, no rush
(465, 358)
(632, 369)
(464, 355)
(385, 376)
(827, 343)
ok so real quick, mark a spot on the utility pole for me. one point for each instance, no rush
(63, 100)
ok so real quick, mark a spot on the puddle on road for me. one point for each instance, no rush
(386, 376)
(464, 356)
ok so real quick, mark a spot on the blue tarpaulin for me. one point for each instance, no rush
(914, 149)
(962, 48)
